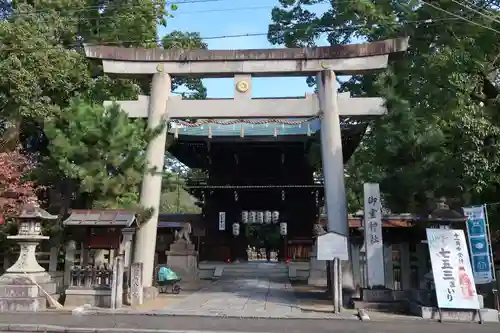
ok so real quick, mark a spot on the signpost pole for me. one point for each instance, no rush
(336, 266)
(339, 285)
(331, 273)
(334, 275)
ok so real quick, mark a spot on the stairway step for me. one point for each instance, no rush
(394, 306)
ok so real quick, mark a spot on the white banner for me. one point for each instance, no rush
(374, 246)
(453, 278)
(222, 221)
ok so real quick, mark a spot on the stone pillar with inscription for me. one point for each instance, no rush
(20, 286)
(136, 290)
(373, 236)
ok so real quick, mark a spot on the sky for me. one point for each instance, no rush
(225, 17)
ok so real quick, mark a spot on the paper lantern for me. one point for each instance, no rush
(252, 217)
(236, 229)
(260, 217)
(268, 217)
(244, 217)
(275, 216)
(283, 229)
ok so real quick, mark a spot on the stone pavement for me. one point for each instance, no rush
(251, 297)
(179, 324)
(168, 299)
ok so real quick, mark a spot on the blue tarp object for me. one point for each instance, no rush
(166, 274)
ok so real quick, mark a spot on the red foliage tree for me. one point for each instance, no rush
(14, 191)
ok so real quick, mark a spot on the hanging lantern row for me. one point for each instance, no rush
(266, 122)
(260, 217)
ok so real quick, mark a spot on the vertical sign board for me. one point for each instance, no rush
(222, 221)
(453, 278)
(374, 246)
(479, 244)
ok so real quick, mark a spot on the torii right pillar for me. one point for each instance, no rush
(333, 169)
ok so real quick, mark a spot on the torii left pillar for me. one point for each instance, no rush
(333, 172)
(145, 241)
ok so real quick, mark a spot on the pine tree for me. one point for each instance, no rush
(102, 151)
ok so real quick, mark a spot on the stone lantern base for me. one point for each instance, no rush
(183, 259)
(19, 293)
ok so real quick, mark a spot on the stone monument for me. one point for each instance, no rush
(21, 285)
(182, 257)
(137, 291)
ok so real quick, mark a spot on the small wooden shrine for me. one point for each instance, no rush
(112, 230)
(100, 229)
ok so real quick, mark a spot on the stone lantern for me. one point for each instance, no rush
(20, 286)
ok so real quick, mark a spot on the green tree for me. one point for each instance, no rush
(44, 74)
(101, 150)
(186, 41)
(440, 136)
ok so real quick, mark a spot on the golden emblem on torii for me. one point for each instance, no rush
(242, 86)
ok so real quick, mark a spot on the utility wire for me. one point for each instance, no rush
(104, 18)
(204, 38)
(284, 31)
(460, 17)
(99, 19)
(480, 8)
(112, 6)
(489, 17)
(175, 14)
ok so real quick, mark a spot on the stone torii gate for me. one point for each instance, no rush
(323, 62)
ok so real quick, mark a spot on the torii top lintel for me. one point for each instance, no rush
(344, 59)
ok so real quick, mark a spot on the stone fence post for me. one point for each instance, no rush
(117, 283)
(69, 261)
(53, 258)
